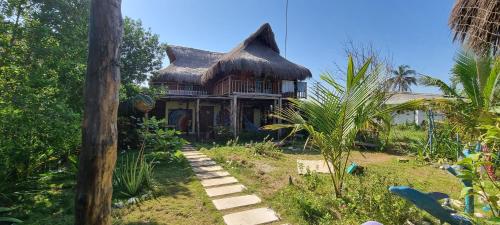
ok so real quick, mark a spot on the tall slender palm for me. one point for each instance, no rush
(402, 79)
(335, 113)
(475, 91)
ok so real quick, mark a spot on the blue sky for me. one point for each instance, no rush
(409, 32)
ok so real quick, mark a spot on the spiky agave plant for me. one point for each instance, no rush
(335, 113)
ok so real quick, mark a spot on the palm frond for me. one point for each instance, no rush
(430, 81)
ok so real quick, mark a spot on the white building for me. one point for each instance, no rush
(413, 116)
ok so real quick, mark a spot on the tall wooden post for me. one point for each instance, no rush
(198, 118)
(234, 115)
(280, 102)
(99, 133)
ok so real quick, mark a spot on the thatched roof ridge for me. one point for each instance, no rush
(258, 54)
(186, 64)
(477, 24)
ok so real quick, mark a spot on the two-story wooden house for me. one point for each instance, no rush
(238, 89)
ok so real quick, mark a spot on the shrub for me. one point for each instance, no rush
(157, 138)
(266, 148)
(133, 175)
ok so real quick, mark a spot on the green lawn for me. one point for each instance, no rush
(269, 178)
(180, 198)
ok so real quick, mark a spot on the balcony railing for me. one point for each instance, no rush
(184, 89)
(292, 89)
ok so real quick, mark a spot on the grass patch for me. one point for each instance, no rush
(299, 203)
(178, 198)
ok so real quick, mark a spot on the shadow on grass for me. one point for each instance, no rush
(173, 177)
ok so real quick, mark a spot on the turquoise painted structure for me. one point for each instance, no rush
(428, 202)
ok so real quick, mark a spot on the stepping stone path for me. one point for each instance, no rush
(219, 184)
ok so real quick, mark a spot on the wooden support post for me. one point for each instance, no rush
(197, 118)
(234, 115)
(99, 127)
(166, 113)
(280, 102)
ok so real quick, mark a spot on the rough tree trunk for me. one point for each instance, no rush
(97, 158)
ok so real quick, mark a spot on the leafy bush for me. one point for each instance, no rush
(266, 148)
(133, 174)
(157, 138)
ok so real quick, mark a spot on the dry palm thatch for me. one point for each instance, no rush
(186, 64)
(477, 24)
(257, 55)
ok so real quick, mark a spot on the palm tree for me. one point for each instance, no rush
(402, 79)
(335, 113)
(474, 93)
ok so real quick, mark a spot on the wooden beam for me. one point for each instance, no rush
(280, 104)
(234, 115)
(197, 118)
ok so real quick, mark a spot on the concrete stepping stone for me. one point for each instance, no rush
(195, 156)
(233, 202)
(251, 217)
(212, 174)
(218, 181)
(203, 163)
(225, 190)
(202, 169)
(199, 159)
(193, 153)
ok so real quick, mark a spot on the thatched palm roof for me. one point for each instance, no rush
(258, 55)
(477, 24)
(186, 64)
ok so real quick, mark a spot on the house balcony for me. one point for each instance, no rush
(185, 89)
(292, 89)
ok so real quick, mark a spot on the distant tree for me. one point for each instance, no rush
(99, 137)
(141, 55)
(402, 78)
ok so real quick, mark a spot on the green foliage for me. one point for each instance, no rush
(474, 91)
(158, 138)
(141, 54)
(402, 79)
(367, 199)
(334, 115)
(40, 114)
(133, 174)
(470, 167)
(444, 145)
(266, 148)
(8, 219)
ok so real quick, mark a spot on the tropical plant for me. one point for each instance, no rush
(475, 98)
(157, 138)
(470, 167)
(267, 147)
(133, 174)
(402, 79)
(8, 219)
(335, 113)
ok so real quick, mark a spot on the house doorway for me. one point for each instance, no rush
(206, 118)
